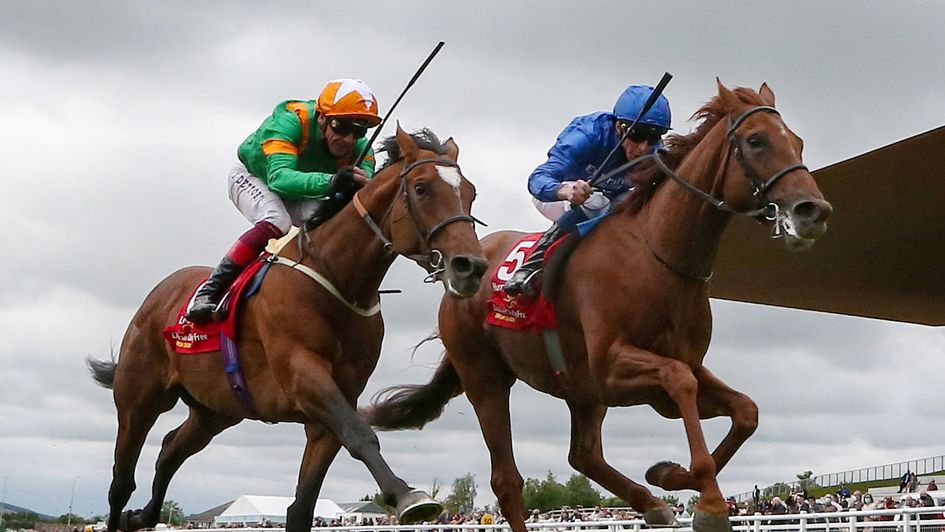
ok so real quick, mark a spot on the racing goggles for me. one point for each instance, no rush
(344, 127)
(642, 132)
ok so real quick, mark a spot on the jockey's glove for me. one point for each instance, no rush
(343, 185)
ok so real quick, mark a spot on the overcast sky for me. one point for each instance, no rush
(119, 120)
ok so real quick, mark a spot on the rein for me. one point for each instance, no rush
(760, 188)
(769, 211)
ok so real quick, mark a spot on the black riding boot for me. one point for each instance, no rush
(208, 297)
(524, 279)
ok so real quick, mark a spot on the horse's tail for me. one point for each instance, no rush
(412, 406)
(103, 371)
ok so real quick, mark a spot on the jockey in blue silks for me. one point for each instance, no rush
(559, 185)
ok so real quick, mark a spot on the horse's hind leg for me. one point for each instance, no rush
(139, 405)
(715, 398)
(587, 456)
(181, 443)
(320, 451)
(487, 386)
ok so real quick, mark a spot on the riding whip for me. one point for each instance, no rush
(657, 91)
(380, 126)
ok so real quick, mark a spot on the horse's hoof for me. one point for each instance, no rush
(661, 516)
(130, 521)
(417, 507)
(706, 522)
(668, 475)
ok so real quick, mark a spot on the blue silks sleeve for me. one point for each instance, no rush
(567, 161)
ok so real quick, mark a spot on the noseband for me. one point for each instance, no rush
(432, 261)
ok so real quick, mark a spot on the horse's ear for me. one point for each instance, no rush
(767, 95)
(452, 150)
(727, 97)
(408, 147)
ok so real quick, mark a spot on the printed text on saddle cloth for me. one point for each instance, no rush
(518, 313)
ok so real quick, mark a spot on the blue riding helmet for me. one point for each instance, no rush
(631, 101)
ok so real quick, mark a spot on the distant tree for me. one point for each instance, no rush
(693, 501)
(806, 481)
(20, 520)
(435, 488)
(777, 488)
(613, 502)
(581, 493)
(671, 500)
(463, 497)
(548, 494)
(172, 513)
(70, 518)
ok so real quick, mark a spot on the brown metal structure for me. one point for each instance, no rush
(884, 252)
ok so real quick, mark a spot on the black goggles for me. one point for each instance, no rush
(348, 127)
(641, 132)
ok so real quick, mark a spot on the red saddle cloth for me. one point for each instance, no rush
(187, 337)
(519, 312)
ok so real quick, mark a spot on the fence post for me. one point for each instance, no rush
(803, 522)
(852, 523)
(757, 522)
(906, 522)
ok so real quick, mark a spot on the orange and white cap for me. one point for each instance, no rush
(350, 98)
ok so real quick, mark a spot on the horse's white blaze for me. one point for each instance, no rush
(451, 175)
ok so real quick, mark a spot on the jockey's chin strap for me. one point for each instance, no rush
(432, 260)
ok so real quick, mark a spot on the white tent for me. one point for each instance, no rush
(255, 509)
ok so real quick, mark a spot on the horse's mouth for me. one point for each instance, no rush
(464, 274)
(797, 236)
(463, 288)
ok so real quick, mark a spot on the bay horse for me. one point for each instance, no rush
(306, 354)
(633, 312)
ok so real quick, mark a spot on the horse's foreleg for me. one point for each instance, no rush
(320, 449)
(630, 370)
(317, 395)
(587, 456)
(715, 399)
(181, 443)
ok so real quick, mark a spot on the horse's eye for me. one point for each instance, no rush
(420, 188)
(755, 141)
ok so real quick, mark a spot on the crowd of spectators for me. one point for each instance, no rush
(841, 501)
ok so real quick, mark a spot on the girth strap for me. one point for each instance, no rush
(327, 285)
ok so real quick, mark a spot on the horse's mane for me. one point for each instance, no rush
(425, 139)
(677, 146)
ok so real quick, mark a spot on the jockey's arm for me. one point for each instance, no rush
(554, 180)
(284, 178)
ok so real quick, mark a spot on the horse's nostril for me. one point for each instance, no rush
(461, 266)
(467, 267)
(813, 211)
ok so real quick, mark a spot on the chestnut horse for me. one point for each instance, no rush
(306, 354)
(633, 312)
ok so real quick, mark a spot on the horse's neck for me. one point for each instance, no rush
(347, 251)
(679, 227)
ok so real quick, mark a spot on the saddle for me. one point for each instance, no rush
(530, 314)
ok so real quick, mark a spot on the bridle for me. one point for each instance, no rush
(432, 259)
(760, 187)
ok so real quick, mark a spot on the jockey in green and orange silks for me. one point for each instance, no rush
(285, 171)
